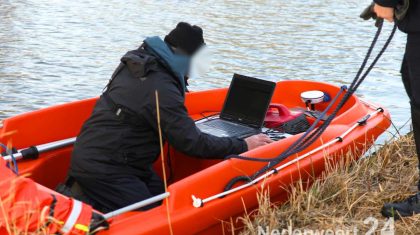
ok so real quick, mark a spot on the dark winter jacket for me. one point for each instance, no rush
(121, 136)
(411, 23)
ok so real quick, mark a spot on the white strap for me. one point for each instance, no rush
(74, 215)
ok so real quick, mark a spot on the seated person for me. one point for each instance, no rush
(114, 153)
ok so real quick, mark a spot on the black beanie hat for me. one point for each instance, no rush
(186, 37)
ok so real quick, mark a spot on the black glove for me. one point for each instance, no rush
(400, 12)
(369, 13)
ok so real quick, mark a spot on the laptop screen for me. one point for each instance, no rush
(248, 100)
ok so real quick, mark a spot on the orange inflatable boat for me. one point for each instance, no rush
(197, 203)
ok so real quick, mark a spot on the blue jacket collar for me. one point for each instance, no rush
(177, 64)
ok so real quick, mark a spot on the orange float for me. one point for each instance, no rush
(202, 179)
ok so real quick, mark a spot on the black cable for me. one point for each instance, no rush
(346, 97)
(290, 148)
(305, 141)
(301, 143)
(354, 86)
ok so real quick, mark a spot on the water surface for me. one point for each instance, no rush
(53, 52)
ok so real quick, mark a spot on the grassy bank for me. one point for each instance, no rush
(347, 197)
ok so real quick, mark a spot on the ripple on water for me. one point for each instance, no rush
(66, 50)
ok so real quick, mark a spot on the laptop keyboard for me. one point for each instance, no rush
(228, 127)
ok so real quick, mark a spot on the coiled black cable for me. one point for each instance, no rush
(311, 135)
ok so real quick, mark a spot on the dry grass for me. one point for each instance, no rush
(348, 194)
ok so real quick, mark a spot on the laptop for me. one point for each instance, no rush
(244, 109)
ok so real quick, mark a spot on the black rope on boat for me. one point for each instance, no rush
(242, 178)
(311, 135)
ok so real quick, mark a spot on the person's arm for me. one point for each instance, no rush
(385, 9)
(181, 133)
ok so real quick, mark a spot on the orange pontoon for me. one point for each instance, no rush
(201, 179)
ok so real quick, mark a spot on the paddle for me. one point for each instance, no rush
(34, 151)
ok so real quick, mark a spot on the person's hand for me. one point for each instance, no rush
(386, 13)
(257, 141)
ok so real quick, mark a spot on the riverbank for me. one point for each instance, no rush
(349, 200)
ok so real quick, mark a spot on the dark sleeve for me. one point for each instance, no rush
(387, 3)
(180, 130)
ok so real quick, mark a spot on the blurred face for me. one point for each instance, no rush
(200, 63)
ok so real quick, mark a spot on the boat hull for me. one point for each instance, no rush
(198, 177)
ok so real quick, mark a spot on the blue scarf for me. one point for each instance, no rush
(177, 64)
